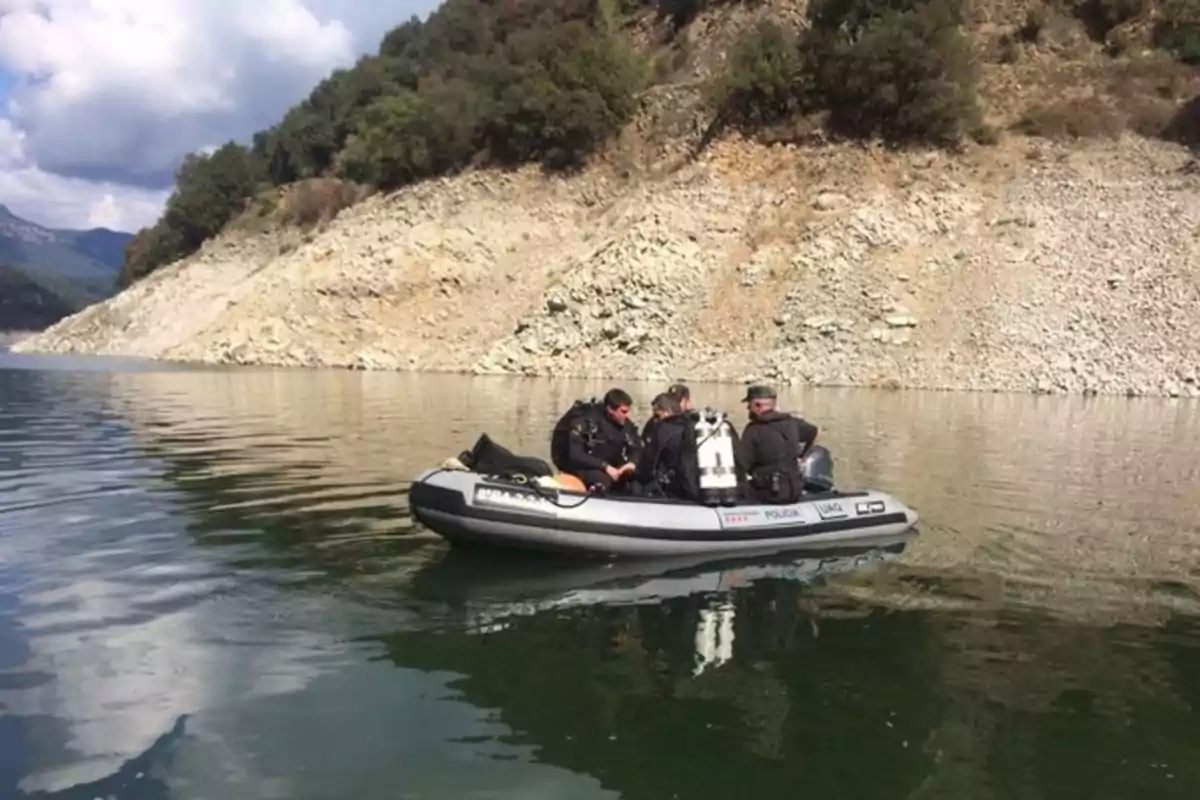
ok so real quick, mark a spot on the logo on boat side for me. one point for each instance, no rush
(739, 517)
(831, 509)
(869, 507)
(783, 513)
(489, 496)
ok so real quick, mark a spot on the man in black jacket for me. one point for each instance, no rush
(598, 443)
(669, 465)
(773, 443)
(683, 396)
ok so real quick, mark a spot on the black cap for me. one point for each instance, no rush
(759, 393)
(679, 391)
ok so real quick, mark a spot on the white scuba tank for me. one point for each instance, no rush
(714, 451)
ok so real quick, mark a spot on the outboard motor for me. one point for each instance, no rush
(816, 469)
(714, 451)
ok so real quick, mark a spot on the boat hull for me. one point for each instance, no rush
(465, 507)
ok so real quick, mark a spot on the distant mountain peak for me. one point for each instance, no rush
(13, 227)
(7, 214)
(7, 217)
(80, 264)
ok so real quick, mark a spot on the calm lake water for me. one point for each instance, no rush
(210, 588)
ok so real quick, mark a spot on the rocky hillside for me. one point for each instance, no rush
(1055, 251)
(1025, 267)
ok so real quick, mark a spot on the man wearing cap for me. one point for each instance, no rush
(668, 465)
(682, 395)
(773, 443)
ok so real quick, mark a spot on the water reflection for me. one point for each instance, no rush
(489, 589)
(486, 586)
(139, 778)
(614, 692)
(112, 630)
(774, 682)
(233, 547)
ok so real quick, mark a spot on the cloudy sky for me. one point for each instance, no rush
(99, 99)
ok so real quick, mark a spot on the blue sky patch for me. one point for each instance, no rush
(7, 81)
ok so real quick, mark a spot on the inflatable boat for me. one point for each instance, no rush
(463, 506)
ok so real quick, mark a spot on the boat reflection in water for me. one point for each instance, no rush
(486, 589)
(630, 672)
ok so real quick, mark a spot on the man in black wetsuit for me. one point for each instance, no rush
(669, 465)
(773, 443)
(601, 444)
(683, 396)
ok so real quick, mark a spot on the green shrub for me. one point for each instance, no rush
(1184, 126)
(558, 93)
(1178, 30)
(148, 250)
(1099, 17)
(404, 137)
(763, 80)
(681, 12)
(1035, 20)
(901, 70)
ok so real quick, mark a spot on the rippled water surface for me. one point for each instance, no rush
(210, 588)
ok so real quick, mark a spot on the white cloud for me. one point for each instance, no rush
(58, 201)
(105, 213)
(111, 93)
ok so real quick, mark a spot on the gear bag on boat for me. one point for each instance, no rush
(489, 458)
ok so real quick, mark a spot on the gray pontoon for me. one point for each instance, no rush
(464, 506)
